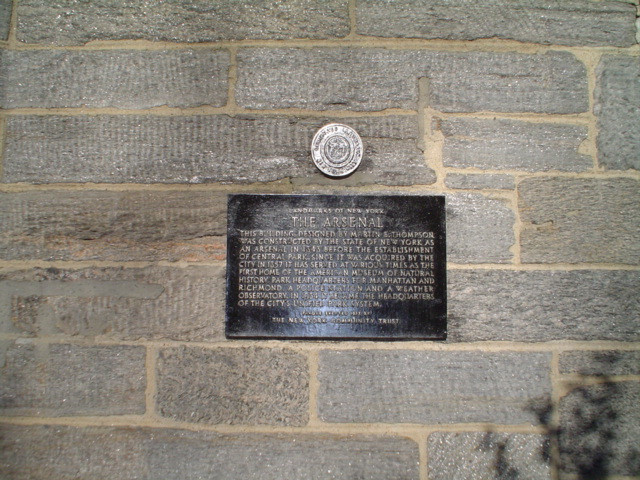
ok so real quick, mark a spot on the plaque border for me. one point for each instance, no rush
(442, 276)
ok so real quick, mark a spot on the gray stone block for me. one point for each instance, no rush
(113, 78)
(200, 149)
(33, 453)
(599, 427)
(601, 363)
(58, 380)
(541, 306)
(327, 78)
(578, 23)
(479, 229)
(472, 181)
(377, 79)
(253, 386)
(119, 226)
(5, 18)
(115, 303)
(405, 386)
(68, 22)
(571, 220)
(617, 106)
(501, 144)
(480, 456)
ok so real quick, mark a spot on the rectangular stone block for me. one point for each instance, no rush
(376, 79)
(252, 386)
(479, 456)
(200, 149)
(502, 144)
(115, 303)
(5, 18)
(479, 229)
(579, 23)
(119, 226)
(403, 386)
(573, 220)
(113, 78)
(327, 78)
(59, 380)
(601, 363)
(541, 306)
(33, 453)
(553, 82)
(68, 22)
(599, 427)
(472, 181)
(617, 107)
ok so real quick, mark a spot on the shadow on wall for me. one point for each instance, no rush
(597, 435)
(508, 464)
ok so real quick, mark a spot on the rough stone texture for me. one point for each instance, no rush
(33, 453)
(472, 181)
(254, 386)
(405, 386)
(560, 22)
(602, 363)
(68, 22)
(617, 106)
(599, 427)
(500, 144)
(479, 229)
(113, 78)
(115, 303)
(376, 79)
(579, 220)
(57, 380)
(5, 18)
(540, 306)
(118, 226)
(480, 456)
(200, 149)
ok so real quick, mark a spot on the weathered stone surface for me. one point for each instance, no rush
(254, 386)
(68, 22)
(33, 453)
(472, 181)
(115, 303)
(599, 427)
(479, 456)
(113, 78)
(602, 363)
(479, 229)
(120, 226)
(579, 220)
(57, 379)
(5, 18)
(617, 106)
(200, 149)
(578, 22)
(376, 79)
(539, 306)
(501, 144)
(325, 79)
(405, 386)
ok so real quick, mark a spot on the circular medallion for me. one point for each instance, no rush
(336, 150)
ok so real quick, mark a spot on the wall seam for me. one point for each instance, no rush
(152, 386)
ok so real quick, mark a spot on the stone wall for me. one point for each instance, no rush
(124, 125)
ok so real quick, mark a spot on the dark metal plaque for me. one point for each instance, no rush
(336, 267)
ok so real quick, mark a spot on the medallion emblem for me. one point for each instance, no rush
(336, 150)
